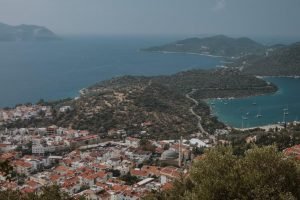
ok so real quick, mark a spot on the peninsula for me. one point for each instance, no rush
(243, 54)
(279, 60)
(159, 105)
(219, 45)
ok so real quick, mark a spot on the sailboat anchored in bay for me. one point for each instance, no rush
(259, 115)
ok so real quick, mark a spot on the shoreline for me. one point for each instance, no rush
(264, 127)
(267, 127)
(191, 53)
(241, 97)
(293, 77)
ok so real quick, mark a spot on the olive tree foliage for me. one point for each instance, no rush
(262, 173)
(6, 169)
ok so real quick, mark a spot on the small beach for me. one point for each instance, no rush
(266, 127)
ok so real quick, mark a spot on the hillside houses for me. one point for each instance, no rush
(80, 163)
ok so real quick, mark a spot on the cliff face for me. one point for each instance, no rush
(25, 33)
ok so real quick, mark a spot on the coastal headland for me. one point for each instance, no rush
(160, 102)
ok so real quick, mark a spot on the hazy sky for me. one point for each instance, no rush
(239, 17)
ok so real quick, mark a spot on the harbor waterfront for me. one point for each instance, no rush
(255, 111)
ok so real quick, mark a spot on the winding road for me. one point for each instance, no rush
(201, 132)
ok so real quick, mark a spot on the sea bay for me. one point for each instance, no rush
(282, 106)
(53, 70)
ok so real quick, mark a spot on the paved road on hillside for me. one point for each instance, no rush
(201, 132)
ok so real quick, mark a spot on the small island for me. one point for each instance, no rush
(24, 32)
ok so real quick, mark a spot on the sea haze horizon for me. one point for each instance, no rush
(53, 70)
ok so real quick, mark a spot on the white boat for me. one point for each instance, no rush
(286, 109)
(259, 115)
(284, 120)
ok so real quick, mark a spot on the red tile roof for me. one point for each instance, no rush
(61, 168)
(142, 173)
(100, 166)
(70, 182)
(32, 183)
(151, 170)
(21, 163)
(7, 156)
(4, 145)
(119, 188)
(101, 174)
(27, 190)
(54, 177)
(171, 172)
(167, 186)
(293, 151)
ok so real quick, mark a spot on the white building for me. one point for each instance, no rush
(38, 149)
(64, 108)
(133, 142)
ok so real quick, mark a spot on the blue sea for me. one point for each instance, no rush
(53, 70)
(243, 112)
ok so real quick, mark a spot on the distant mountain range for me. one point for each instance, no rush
(219, 45)
(247, 55)
(25, 33)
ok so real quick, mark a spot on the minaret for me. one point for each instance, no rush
(180, 152)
